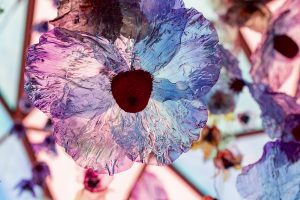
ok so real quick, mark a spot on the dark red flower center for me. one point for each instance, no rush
(296, 132)
(132, 90)
(285, 45)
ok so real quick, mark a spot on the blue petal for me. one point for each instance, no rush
(154, 8)
(160, 133)
(162, 42)
(164, 90)
(275, 176)
(68, 72)
(275, 108)
(196, 61)
(89, 142)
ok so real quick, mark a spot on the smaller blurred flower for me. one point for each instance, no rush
(277, 58)
(149, 187)
(25, 105)
(41, 27)
(221, 102)
(40, 172)
(18, 129)
(48, 145)
(209, 141)
(26, 185)
(95, 182)
(253, 14)
(226, 159)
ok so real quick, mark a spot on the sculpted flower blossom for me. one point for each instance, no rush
(277, 59)
(131, 100)
(275, 175)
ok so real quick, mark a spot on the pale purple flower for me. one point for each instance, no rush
(112, 103)
(277, 58)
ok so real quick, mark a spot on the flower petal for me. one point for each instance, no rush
(271, 67)
(111, 18)
(153, 8)
(230, 63)
(160, 45)
(276, 110)
(160, 133)
(89, 141)
(187, 51)
(148, 187)
(68, 72)
(164, 90)
(275, 176)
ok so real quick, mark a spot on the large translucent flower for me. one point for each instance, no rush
(114, 103)
(280, 113)
(112, 18)
(277, 59)
(275, 175)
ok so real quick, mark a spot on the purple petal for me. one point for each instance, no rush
(271, 67)
(68, 73)
(148, 187)
(160, 133)
(112, 18)
(230, 63)
(275, 111)
(184, 47)
(275, 176)
(153, 8)
(89, 141)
